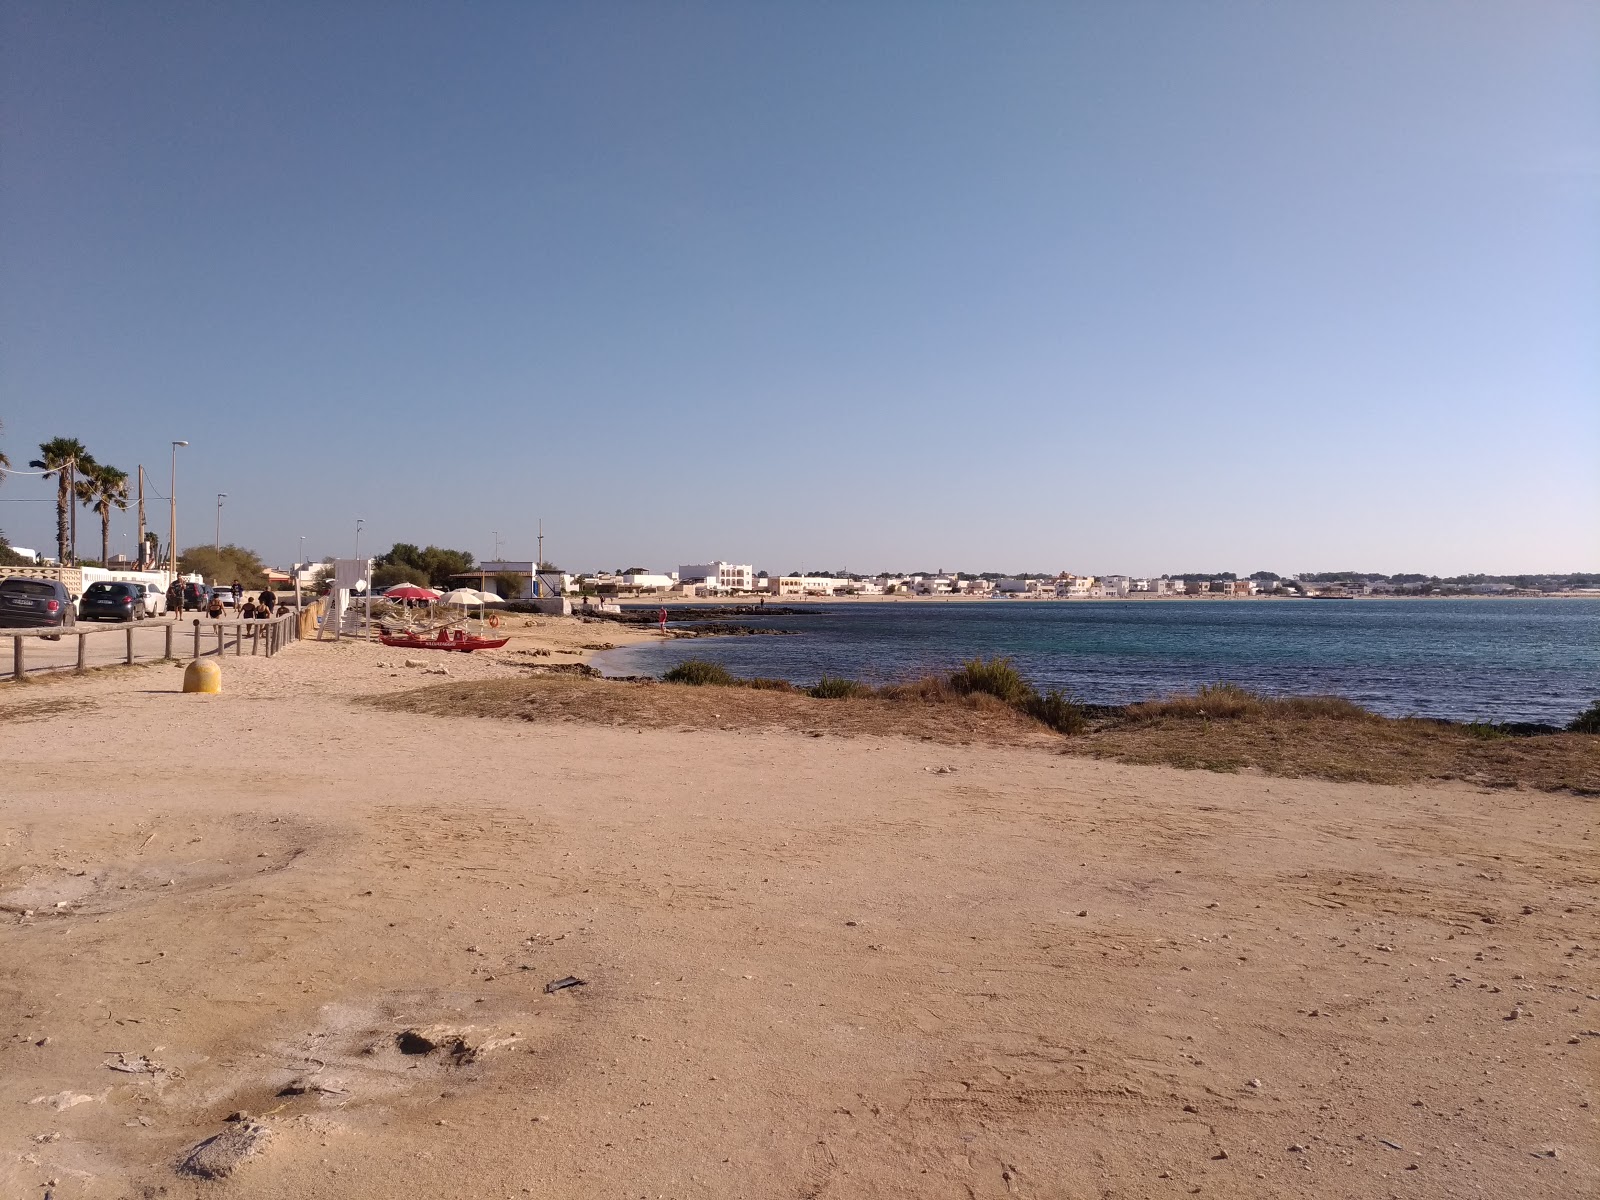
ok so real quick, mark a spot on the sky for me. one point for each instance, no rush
(1101, 287)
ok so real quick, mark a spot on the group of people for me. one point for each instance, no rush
(260, 608)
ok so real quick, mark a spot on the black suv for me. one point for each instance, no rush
(104, 601)
(35, 603)
(196, 596)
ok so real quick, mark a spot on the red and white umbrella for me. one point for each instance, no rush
(410, 591)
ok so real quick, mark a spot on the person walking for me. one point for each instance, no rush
(238, 592)
(175, 598)
(267, 600)
(662, 617)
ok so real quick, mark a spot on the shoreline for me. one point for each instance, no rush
(753, 601)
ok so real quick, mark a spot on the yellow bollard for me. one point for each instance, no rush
(202, 675)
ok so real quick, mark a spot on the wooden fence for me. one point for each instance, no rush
(208, 637)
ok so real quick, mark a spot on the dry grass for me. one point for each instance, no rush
(958, 721)
(1219, 729)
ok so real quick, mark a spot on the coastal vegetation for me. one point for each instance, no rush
(1222, 727)
(1587, 721)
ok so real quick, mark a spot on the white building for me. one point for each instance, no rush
(807, 585)
(720, 576)
(644, 581)
(1116, 585)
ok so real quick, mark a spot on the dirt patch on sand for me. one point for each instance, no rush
(1301, 739)
(972, 719)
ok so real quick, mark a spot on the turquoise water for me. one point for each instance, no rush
(1503, 660)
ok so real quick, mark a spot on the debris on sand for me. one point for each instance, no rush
(463, 1044)
(567, 981)
(138, 1065)
(62, 1101)
(304, 1087)
(219, 1156)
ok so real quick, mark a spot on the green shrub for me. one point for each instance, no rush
(700, 673)
(834, 687)
(767, 685)
(997, 677)
(1056, 710)
(1587, 721)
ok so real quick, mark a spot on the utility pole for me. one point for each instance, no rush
(216, 546)
(141, 516)
(172, 504)
(538, 584)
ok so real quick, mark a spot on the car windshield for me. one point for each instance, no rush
(28, 587)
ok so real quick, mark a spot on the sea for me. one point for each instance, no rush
(1531, 660)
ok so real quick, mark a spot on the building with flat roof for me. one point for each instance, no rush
(723, 576)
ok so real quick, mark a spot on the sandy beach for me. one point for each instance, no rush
(812, 964)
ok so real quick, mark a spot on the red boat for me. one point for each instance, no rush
(445, 640)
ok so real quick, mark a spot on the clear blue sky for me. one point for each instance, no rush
(1111, 286)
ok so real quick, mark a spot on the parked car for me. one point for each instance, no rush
(104, 601)
(155, 600)
(196, 596)
(36, 603)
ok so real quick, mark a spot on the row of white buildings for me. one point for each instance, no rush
(725, 578)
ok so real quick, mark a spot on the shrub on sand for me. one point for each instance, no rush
(1587, 721)
(1230, 702)
(700, 673)
(834, 687)
(1056, 710)
(997, 677)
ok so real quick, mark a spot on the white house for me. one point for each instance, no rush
(721, 576)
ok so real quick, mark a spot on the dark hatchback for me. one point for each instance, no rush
(111, 602)
(35, 603)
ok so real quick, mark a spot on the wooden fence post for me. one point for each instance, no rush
(16, 654)
(238, 640)
(83, 639)
(130, 643)
(221, 637)
(170, 624)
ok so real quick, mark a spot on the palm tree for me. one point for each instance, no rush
(63, 458)
(4, 461)
(103, 488)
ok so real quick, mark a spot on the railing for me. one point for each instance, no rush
(209, 637)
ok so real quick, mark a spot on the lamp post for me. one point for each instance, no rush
(217, 544)
(172, 502)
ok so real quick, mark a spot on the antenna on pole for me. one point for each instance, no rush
(539, 562)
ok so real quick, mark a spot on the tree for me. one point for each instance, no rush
(103, 488)
(225, 564)
(8, 556)
(4, 461)
(62, 458)
(508, 585)
(438, 564)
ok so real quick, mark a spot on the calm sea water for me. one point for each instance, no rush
(1504, 660)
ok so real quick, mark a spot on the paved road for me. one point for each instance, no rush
(107, 645)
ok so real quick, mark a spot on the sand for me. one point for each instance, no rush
(813, 966)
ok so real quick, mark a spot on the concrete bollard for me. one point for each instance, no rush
(203, 675)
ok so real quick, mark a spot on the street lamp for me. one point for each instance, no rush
(217, 545)
(172, 501)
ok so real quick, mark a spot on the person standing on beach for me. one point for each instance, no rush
(238, 592)
(267, 600)
(662, 617)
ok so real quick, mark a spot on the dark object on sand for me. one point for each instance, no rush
(556, 985)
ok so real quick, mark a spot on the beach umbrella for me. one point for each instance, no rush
(462, 596)
(410, 591)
